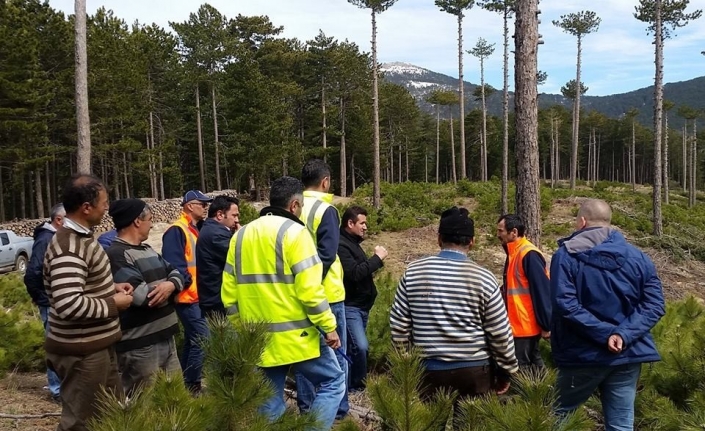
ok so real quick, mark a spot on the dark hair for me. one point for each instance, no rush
(313, 172)
(283, 190)
(511, 222)
(221, 203)
(352, 213)
(81, 189)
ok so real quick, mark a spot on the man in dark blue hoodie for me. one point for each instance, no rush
(34, 280)
(606, 298)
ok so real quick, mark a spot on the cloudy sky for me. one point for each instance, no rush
(616, 59)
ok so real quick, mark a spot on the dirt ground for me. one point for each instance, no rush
(23, 394)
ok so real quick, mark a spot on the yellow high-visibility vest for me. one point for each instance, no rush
(273, 275)
(315, 205)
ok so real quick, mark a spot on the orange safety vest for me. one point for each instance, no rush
(520, 308)
(190, 295)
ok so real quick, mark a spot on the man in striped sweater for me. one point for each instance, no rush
(149, 325)
(451, 309)
(85, 302)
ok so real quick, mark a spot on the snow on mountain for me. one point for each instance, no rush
(399, 68)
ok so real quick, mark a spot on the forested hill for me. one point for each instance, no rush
(420, 82)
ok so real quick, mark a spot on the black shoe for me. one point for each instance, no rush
(56, 399)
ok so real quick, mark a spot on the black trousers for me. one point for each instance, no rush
(527, 351)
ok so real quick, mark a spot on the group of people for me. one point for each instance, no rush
(111, 309)
(596, 304)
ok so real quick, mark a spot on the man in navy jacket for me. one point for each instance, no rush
(34, 280)
(211, 251)
(606, 298)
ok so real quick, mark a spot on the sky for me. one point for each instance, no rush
(617, 58)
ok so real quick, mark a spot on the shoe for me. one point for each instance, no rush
(56, 399)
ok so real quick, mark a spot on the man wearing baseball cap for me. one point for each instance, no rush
(179, 249)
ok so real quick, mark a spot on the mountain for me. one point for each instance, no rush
(420, 82)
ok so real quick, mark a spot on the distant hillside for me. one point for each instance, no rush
(420, 82)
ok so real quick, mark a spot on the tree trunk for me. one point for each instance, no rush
(484, 120)
(38, 192)
(576, 121)
(116, 174)
(666, 185)
(505, 114)
(685, 156)
(47, 184)
(323, 111)
(352, 172)
(633, 155)
(376, 198)
(343, 155)
(125, 175)
(693, 166)
(2, 198)
(589, 164)
(161, 162)
(461, 85)
(83, 123)
(218, 184)
(29, 191)
(658, 112)
(438, 142)
(399, 171)
(152, 164)
(553, 153)
(23, 199)
(452, 145)
(526, 109)
(201, 165)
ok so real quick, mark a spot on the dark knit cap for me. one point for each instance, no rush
(456, 222)
(125, 211)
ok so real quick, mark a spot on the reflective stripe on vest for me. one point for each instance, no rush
(311, 219)
(520, 307)
(190, 295)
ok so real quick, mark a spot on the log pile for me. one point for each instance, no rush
(165, 211)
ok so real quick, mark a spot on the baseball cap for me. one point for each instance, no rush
(195, 195)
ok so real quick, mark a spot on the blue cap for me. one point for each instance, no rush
(195, 195)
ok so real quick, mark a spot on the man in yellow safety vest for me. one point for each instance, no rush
(273, 274)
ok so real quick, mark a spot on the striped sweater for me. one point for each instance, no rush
(144, 269)
(83, 316)
(451, 309)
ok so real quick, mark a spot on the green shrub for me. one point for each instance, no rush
(247, 213)
(21, 330)
(378, 331)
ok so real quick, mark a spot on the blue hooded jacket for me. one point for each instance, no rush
(601, 285)
(33, 277)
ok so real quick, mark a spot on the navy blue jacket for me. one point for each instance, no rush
(601, 285)
(33, 278)
(211, 251)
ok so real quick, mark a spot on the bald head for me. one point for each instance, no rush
(594, 212)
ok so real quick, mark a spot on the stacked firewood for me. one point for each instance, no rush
(165, 211)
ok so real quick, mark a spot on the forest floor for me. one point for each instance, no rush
(24, 394)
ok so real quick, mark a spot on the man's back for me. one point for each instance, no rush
(605, 286)
(211, 251)
(451, 308)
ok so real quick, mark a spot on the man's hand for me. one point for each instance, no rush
(381, 252)
(161, 293)
(125, 288)
(546, 335)
(332, 340)
(615, 344)
(502, 387)
(122, 301)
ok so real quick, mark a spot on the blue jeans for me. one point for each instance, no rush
(195, 330)
(54, 383)
(617, 386)
(324, 373)
(358, 346)
(305, 391)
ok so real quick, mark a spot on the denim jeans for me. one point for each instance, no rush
(305, 391)
(54, 383)
(324, 373)
(617, 386)
(195, 330)
(358, 346)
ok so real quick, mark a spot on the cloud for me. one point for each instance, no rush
(617, 58)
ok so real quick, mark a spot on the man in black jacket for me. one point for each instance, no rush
(211, 251)
(360, 289)
(34, 280)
